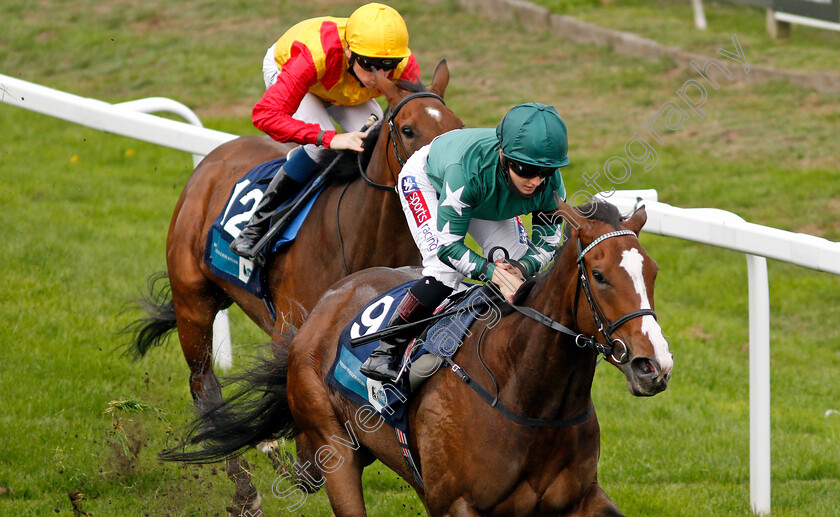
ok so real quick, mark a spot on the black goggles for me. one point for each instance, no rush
(528, 171)
(379, 63)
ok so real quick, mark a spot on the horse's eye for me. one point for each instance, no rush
(598, 277)
(408, 132)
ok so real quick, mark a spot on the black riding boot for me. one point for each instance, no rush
(281, 188)
(419, 302)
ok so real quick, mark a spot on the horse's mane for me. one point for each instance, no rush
(594, 210)
(348, 166)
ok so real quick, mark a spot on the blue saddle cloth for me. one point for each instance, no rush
(442, 339)
(244, 197)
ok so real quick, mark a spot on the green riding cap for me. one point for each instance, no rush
(534, 133)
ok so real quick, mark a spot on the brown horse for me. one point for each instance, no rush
(372, 230)
(475, 460)
(352, 226)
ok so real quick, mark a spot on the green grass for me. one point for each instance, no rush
(671, 22)
(83, 234)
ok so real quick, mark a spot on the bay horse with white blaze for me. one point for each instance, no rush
(352, 226)
(541, 457)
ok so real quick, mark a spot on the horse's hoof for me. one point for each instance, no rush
(251, 509)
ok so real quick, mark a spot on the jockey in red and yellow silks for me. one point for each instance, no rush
(311, 59)
(318, 74)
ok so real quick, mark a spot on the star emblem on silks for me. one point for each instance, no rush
(463, 264)
(453, 199)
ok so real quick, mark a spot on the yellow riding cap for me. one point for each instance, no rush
(376, 30)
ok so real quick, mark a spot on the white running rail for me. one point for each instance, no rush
(727, 230)
(130, 119)
(705, 225)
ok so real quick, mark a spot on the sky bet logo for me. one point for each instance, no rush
(416, 201)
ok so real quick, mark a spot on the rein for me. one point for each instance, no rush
(510, 415)
(581, 340)
(393, 137)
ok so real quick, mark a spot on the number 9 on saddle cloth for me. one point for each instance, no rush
(441, 338)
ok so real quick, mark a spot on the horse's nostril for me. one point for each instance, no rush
(644, 367)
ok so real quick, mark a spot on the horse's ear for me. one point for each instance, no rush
(576, 220)
(383, 84)
(440, 79)
(636, 221)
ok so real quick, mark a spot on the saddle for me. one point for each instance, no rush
(436, 338)
(229, 266)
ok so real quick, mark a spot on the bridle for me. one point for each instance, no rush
(605, 327)
(393, 135)
(603, 323)
(395, 138)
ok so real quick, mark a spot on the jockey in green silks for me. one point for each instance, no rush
(478, 181)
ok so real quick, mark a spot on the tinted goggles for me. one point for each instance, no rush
(528, 171)
(379, 63)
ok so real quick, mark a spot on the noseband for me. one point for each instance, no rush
(603, 323)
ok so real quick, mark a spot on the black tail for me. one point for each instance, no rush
(155, 328)
(259, 411)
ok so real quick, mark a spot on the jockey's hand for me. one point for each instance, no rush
(511, 268)
(507, 278)
(351, 141)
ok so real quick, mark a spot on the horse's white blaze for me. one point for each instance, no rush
(632, 261)
(433, 112)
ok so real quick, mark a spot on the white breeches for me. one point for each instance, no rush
(420, 204)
